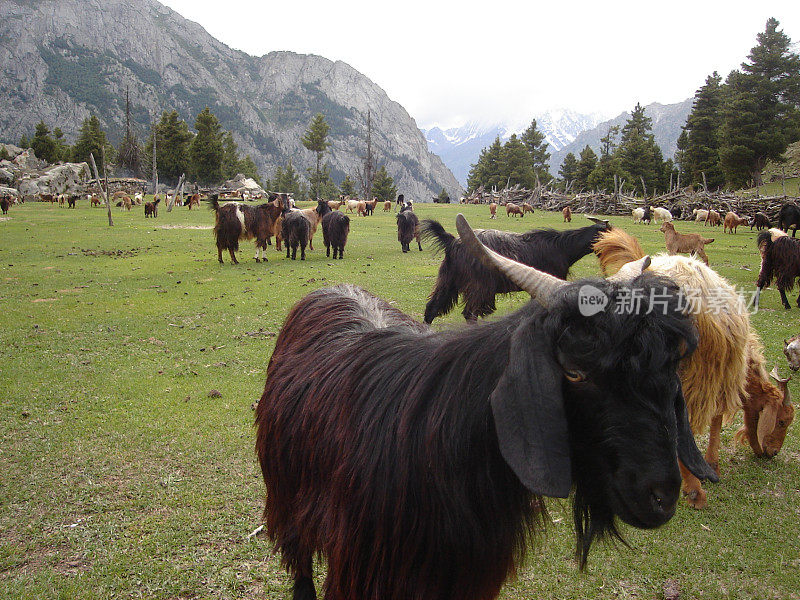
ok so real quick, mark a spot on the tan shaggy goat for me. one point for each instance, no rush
(566, 212)
(726, 373)
(691, 243)
(732, 221)
(713, 218)
(493, 210)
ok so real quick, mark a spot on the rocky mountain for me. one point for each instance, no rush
(668, 120)
(63, 60)
(460, 147)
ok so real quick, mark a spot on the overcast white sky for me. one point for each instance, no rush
(505, 61)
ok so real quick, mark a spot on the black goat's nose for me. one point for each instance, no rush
(663, 499)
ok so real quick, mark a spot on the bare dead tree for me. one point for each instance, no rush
(178, 193)
(103, 188)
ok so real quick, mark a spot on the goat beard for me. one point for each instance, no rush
(593, 518)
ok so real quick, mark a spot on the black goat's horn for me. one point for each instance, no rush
(631, 270)
(538, 284)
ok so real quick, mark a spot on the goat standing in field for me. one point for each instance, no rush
(151, 208)
(407, 228)
(727, 371)
(566, 212)
(780, 258)
(5, 202)
(513, 209)
(700, 215)
(732, 221)
(661, 215)
(691, 243)
(234, 222)
(296, 231)
(553, 252)
(416, 462)
(789, 218)
(760, 221)
(335, 228)
(526, 208)
(314, 217)
(713, 218)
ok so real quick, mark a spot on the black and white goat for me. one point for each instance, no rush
(551, 251)
(234, 222)
(415, 462)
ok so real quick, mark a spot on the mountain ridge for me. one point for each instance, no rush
(61, 68)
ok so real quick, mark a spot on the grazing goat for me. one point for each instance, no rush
(407, 228)
(194, 200)
(335, 204)
(661, 215)
(526, 208)
(780, 258)
(335, 228)
(789, 217)
(5, 202)
(760, 221)
(567, 214)
(493, 210)
(732, 221)
(692, 243)
(387, 206)
(791, 348)
(700, 214)
(553, 252)
(637, 214)
(713, 218)
(513, 209)
(296, 231)
(234, 222)
(726, 373)
(361, 209)
(416, 462)
(151, 208)
(352, 205)
(314, 217)
(95, 200)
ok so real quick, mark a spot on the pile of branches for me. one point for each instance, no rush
(601, 203)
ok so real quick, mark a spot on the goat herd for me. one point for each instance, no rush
(415, 461)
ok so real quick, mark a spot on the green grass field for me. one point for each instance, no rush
(125, 476)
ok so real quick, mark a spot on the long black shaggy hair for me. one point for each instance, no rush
(335, 228)
(391, 454)
(295, 230)
(462, 274)
(779, 259)
(407, 228)
(789, 217)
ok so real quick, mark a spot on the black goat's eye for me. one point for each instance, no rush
(574, 376)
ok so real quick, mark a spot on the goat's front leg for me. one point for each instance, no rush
(692, 488)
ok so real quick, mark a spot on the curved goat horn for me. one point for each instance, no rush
(538, 284)
(631, 270)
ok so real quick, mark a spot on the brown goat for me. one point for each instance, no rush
(732, 221)
(151, 208)
(194, 200)
(513, 209)
(567, 212)
(493, 210)
(690, 243)
(95, 200)
(713, 218)
(526, 208)
(361, 208)
(234, 222)
(387, 206)
(5, 202)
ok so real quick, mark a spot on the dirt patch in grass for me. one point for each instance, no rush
(186, 227)
(45, 300)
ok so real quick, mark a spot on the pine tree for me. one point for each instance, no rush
(536, 145)
(760, 117)
(587, 164)
(287, 181)
(24, 142)
(383, 187)
(92, 140)
(206, 150)
(702, 135)
(63, 150)
(639, 156)
(443, 197)
(569, 169)
(348, 187)
(487, 171)
(682, 158)
(173, 140)
(315, 139)
(516, 164)
(44, 146)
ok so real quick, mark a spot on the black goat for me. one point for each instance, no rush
(407, 228)
(780, 258)
(416, 462)
(760, 221)
(234, 222)
(551, 251)
(335, 227)
(295, 231)
(647, 216)
(788, 217)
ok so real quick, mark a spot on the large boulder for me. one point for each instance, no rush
(6, 176)
(60, 179)
(8, 191)
(10, 150)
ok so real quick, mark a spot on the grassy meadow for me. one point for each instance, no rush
(128, 365)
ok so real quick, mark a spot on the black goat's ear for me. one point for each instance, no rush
(529, 416)
(688, 451)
